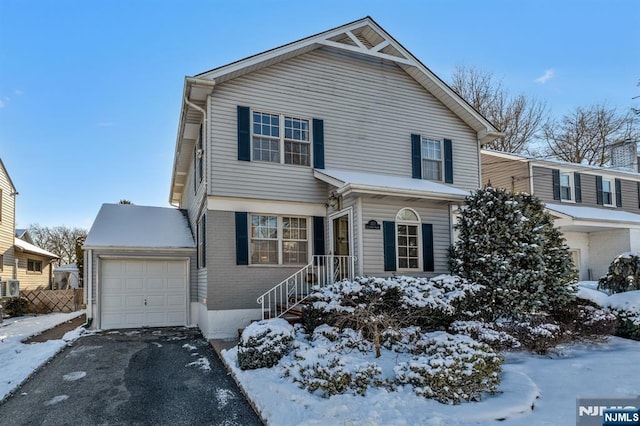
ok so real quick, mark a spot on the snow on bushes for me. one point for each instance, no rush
(508, 244)
(452, 369)
(623, 275)
(486, 332)
(625, 306)
(264, 343)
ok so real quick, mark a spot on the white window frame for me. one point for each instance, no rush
(572, 187)
(439, 161)
(281, 139)
(418, 225)
(280, 239)
(612, 191)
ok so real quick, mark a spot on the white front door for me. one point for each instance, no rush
(143, 293)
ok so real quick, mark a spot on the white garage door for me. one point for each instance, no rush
(143, 293)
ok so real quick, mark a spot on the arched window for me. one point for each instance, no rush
(408, 239)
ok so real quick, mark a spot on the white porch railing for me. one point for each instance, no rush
(322, 271)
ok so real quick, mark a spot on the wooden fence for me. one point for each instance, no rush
(45, 301)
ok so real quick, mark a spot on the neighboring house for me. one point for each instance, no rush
(341, 145)
(66, 276)
(19, 258)
(596, 208)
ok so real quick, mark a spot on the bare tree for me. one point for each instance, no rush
(585, 134)
(519, 117)
(60, 240)
(125, 201)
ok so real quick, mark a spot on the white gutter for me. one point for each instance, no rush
(88, 278)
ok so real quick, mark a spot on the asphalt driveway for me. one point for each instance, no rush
(131, 377)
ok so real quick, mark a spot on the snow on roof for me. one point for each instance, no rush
(386, 183)
(22, 245)
(20, 232)
(127, 225)
(592, 213)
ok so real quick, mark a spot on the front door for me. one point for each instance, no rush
(341, 235)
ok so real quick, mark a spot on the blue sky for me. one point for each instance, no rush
(90, 91)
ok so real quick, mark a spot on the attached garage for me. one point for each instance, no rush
(139, 264)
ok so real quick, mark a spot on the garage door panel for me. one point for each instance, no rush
(126, 284)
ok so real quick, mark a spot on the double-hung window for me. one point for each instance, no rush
(566, 187)
(408, 235)
(279, 138)
(279, 240)
(202, 241)
(431, 152)
(607, 192)
(34, 266)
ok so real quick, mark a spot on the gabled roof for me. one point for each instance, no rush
(6, 173)
(348, 182)
(131, 226)
(363, 36)
(552, 162)
(26, 247)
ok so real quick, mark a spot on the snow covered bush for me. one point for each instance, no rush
(508, 244)
(538, 334)
(264, 343)
(324, 365)
(623, 275)
(585, 319)
(16, 306)
(452, 369)
(486, 332)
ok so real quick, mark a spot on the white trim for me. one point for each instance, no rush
(236, 204)
(612, 191)
(572, 186)
(349, 212)
(360, 236)
(280, 239)
(417, 224)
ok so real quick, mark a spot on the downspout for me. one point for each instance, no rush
(88, 278)
(205, 121)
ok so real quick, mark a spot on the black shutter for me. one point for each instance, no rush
(578, 186)
(416, 157)
(599, 190)
(244, 133)
(242, 239)
(427, 248)
(448, 161)
(318, 143)
(638, 194)
(389, 241)
(555, 173)
(318, 235)
(198, 245)
(203, 263)
(618, 193)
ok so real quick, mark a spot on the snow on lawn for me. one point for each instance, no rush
(550, 384)
(19, 360)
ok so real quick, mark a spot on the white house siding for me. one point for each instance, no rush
(435, 213)
(634, 236)
(604, 247)
(370, 108)
(580, 241)
(232, 286)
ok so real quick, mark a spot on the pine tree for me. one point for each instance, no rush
(508, 244)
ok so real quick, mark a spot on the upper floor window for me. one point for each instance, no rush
(34, 266)
(566, 186)
(279, 240)
(431, 159)
(607, 192)
(201, 237)
(408, 236)
(278, 138)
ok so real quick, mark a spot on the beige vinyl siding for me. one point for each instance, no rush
(235, 286)
(504, 173)
(435, 213)
(543, 184)
(32, 280)
(7, 227)
(370, 108)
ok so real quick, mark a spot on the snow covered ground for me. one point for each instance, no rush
(550, 384)
(19, 360)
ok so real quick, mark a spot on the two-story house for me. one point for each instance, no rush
(341, 151)
(19, 258)
(596, 208)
